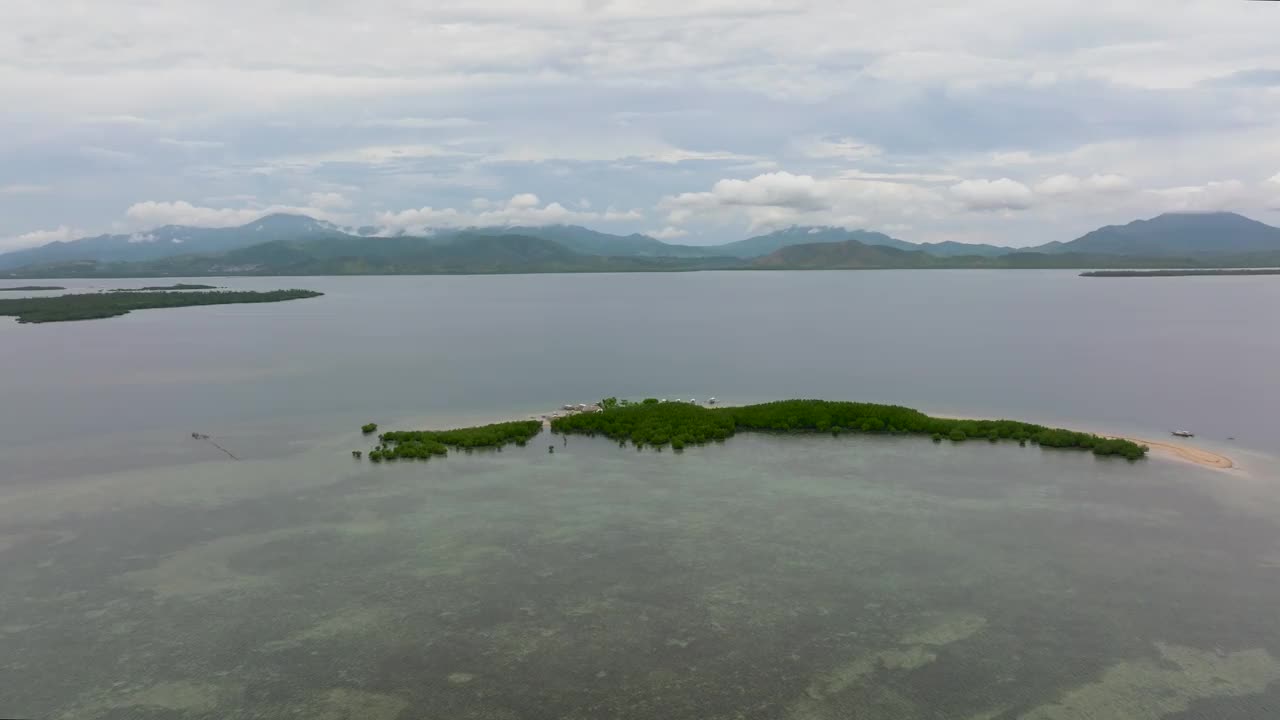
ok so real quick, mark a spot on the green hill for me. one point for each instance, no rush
(762, 245)
(1177, 234)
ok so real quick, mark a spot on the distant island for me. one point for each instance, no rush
(658, 424)
(31, 288)
(179, 286)
(293, 245)
(92, 306)
(1178, 273)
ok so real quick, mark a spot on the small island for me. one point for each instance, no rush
(179, 286)
(1179, 273)
(31, 288)
(657, 424)
(93, 306)
(425, 444)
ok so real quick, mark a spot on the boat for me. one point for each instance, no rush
(1184, 433)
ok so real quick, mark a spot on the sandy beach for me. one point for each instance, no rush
(1199, 456)
(1169, 450)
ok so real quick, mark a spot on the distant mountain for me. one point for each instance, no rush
(170, 240)
(761, 245)
(1177, 234)
(591, 242)
(959, 249)
(849, 254)
(459, 253)
(298, 245)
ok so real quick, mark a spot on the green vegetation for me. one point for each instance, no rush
(31, 288)
(369, 429)
(424, 444)
(684, 424)
(91, 306)
(179, 286)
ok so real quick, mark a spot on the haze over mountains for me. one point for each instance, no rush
(299, 245)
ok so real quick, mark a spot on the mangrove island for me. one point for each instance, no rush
(179, 286)
(92, 306)
(425, 444)
(656, 424)
(31, 288)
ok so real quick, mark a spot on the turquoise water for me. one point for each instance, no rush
(146, 575)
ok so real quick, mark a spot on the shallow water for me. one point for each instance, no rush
(769, 577)
(146, 575)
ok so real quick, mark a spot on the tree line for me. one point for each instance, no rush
(679, 425)
(92, 306)
(426, 444)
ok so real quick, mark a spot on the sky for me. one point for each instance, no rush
(696, 121)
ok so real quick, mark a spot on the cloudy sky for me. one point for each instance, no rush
(700, 121)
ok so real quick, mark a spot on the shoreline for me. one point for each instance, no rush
(1159, 448)
(1185, 453)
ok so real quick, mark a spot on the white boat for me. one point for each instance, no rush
(1184, 433)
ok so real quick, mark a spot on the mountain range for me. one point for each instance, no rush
(298, 245)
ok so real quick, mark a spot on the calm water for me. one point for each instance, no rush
(146, 575)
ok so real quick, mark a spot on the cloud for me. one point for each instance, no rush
(1253, 77)
(668, 233)
(1002, 194)
(418, 123)
(1059, 185)
(151, 214)
(845, 148)
(373, 155)
(522, 209)
(192, 144)
(1212, 196)
(36, 238)
(779, 199)
(885, 106)
(606, 149)
(109, 156)
(328, 201)
(24, 189)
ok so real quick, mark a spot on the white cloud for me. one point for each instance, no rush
(368, 155)
(521, 209)
(118, 119)
(24, 189)
(36, 238)
(668, 233)
(574, 97)
(1002, 194)
(328, 201)
(1209, 197)
(150, 214)
(845, 148)
(780, 199)
(108, 155)
(192, 144)
(418, 123)
(1059, 185)
(609, 149)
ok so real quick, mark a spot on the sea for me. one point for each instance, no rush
(264, 572)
